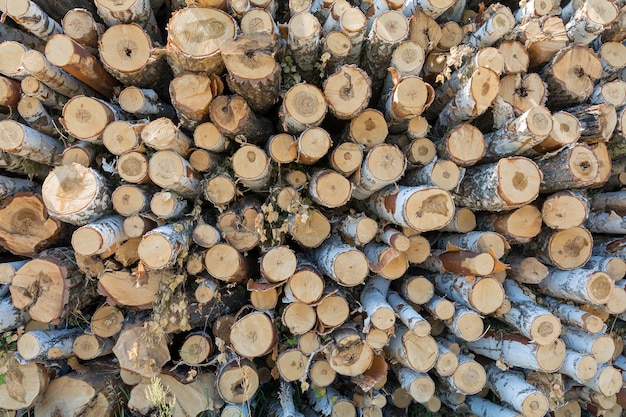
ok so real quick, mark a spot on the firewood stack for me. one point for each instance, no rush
(312, 208)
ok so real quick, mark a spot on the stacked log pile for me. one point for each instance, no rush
(312, 208)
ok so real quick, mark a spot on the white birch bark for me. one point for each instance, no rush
(476, 241)
(513, 389)
(532, 320)
(25, 141)
(32, 87)
(55, 78)
(447, 360)
(573, 315)
(581, 285)
(9, 186)
(36, 115)
(521, 352)
(304, 40)
(385, 260)
(420, 208)
(615, 267)
(601, 346)
(35, 345)
(359, 229)
(578, 366)
(134, 11)
(343, 263)
(382, 41)
(374, 299)
(432, 8)
(159, 248)
(590, 20)
(437, 173)
(606, 222)
(607, 380)
(418, 384)
(519, 135)
(385, 160)
(29, 15)
(507, 184)
(407, 314)
(11, 317)
(485, 408)
(144, 101)
(497, 25)
(99, 235)
(440, 307)
(471, 291)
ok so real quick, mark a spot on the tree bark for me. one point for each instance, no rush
(514, 390)
(342, 263)
(31, 17)
(420, 208)
(55, 78)
(144, 102)
(76, 194)
(129, 11)
(476, 242)
(532, 320)
(253, 73)
(515, 350)
(64, 52)
(573, 315)
(32, 87)
(383, 165)
(37, 117)
(97, 236)
(580, 285)
(469, 101)
(160, 247)
(304, 41)
(472, 291)
(387, 31)
(599, 345)
(590, 20)
(358, 229)
(507, 184)
(497, 21)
